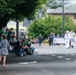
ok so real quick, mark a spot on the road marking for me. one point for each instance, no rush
(60, 56)
(75, 60)
(73, 54)
(25, 63)
(52, 54)
(67, 59)
(74, 74)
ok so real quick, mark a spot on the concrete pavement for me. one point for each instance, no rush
(46, 49)
(46, 53)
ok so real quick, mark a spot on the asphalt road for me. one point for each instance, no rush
(54, 64)
(53, 68)
(45, 63)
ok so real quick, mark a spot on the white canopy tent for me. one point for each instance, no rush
(12, 24)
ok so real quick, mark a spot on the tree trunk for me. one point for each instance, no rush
(17, 29)
(3, 23)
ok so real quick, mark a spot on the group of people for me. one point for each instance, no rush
(20, 46)
(50, 39)
(5, 36)
(70, 37)
(23, 47)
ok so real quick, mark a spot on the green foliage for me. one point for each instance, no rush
(43, 1)
(16, 9)
(45, 26)
(69, 24)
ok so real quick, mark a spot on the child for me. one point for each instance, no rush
(4, 45)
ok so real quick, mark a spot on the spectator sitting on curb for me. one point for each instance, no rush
(18, 49)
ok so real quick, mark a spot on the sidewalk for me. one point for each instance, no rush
(45, 53)
(46, 49)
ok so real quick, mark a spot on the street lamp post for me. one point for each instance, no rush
(62, 18)
(17, 29)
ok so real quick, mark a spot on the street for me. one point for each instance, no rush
(51, 60)
(46, 49)
(50, 68)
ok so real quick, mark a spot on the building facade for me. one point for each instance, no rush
(68, 11)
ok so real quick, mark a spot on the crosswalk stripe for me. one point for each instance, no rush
(25, 63)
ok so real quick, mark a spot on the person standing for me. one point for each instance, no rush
(67, 39)
(4, 45)
(40, 39)
(50, 38)
(72, 37)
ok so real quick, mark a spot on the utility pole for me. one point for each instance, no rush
(62, 18)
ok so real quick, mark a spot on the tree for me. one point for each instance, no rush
(16, 10)
(44, 26)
